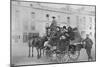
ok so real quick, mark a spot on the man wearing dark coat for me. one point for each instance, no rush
(53, 29)
(88, 46)
(53, 24)
(71, 33)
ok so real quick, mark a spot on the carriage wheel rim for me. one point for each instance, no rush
(74, 58)
(64, 58)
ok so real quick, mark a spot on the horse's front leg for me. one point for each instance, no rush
(32, 51)
(37, 53)
(43, 52)
(29, 51)
(40, 53)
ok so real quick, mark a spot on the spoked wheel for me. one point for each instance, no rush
(74, 55)
(48, 53)
(59, 58)
(65, 58)
(62, 58)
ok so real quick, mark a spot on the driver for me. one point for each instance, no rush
(64, 40)
(53, 24)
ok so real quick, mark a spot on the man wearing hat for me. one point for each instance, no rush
(53, 24)
(88, 46)
(71, 33)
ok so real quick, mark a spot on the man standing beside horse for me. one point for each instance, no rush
(88, 46)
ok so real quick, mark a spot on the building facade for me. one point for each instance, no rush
(31, 17)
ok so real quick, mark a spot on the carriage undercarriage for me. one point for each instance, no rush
(70, 54)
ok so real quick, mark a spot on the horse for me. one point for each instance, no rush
(30, 45)
(38, 43)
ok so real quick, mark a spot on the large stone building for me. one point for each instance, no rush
(31, 17)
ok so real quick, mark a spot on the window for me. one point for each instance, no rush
(90, 22)
(31, 5)
(32, 27)
(33, 15)
(84, 19)
(77, 21)
(90, 19)
(17, 13)
(25, 37)
(47, 15)
(68, 20)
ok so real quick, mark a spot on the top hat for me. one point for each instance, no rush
(53, 17)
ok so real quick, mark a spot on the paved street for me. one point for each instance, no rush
(20, 55)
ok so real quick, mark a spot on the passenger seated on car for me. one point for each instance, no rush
(64, 40)
(71, 33)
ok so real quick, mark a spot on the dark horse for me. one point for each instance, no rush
(38, 43)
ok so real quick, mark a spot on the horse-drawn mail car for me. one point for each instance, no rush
(62, 46)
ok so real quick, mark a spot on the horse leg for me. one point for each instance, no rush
(37, 53)
(29, 51)
(43, 52)
(32, 51)
(40, 54)
(88, 50)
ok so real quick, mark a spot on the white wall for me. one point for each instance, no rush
(22, 20)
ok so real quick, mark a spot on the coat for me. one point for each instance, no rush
(53, 25)
(88, 43)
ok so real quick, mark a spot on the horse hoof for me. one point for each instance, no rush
(90, 60)
(28, 56)
(37, 57)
